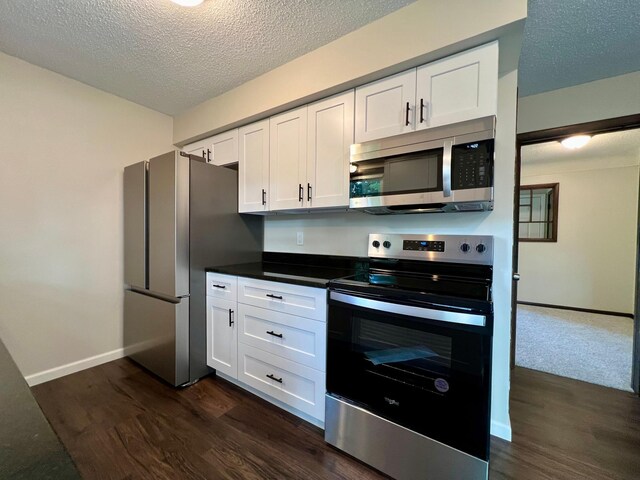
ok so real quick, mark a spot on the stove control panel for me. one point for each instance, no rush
(423, 245)
(474, 249)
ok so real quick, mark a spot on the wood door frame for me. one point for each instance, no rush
(541, 136)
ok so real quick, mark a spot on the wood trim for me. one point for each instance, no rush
(591, 128)
(554, 223)
(577, 309)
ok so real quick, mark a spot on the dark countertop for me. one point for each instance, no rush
(29, 449)
(298, 269)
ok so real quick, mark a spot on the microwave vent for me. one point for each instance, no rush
(469, 207)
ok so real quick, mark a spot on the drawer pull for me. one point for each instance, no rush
(218, 286)
(271, 332)
(231, 322)
(279, 380)
(274, 296)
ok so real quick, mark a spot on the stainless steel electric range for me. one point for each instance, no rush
(409, 357)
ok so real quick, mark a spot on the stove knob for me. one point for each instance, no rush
(481, 248)
(376, 244)
(465, 247)
(386, 244)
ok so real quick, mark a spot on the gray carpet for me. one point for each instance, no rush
(585, 346)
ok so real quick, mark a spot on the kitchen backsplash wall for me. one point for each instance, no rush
(347, 233)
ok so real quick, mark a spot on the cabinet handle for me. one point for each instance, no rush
(272, 377)
(421, 110)
(218, 286)
(208, 155)
(271, 332)
(264, 197)
(308, 192)
(300, 192)
(204, 155)
(274, 296)
(231, 322)
(407, 118)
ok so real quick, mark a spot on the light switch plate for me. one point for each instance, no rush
(300, 238)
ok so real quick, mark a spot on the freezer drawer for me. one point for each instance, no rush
(156, 335)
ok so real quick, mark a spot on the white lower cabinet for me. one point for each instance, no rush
(290, 382)
(296, 338)
(222, 336)
(272, 339)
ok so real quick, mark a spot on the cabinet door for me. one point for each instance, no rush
(201, 148)
(287, 159)
(330, 134)
(458, 88)
(253, 167)
(222, 336)
(386, 107)
(224, 148)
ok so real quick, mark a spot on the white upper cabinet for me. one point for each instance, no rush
(221, 149)
(201, 148)
(288, 159)
(454, 89)
(386, 107)
(224, 148)
(458, 88)
(253, 167)
(330, 134)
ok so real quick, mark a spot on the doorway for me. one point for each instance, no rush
(576, 231)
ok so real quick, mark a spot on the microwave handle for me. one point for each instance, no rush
(446, 168)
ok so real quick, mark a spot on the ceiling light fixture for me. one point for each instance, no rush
(188, 3)
(577, 141)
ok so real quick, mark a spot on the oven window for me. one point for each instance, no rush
(414, 357)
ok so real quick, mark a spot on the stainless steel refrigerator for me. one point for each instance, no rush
(180, 216)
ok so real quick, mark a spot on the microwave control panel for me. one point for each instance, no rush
(472, 165)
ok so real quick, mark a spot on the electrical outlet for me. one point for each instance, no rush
(300, 238)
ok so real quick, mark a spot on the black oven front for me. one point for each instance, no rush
(426, 368)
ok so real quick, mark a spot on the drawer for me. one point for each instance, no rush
(222, 286)
(295, 338)
(297, 300)
(298, 386)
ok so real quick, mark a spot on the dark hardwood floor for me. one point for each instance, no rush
(119, 422)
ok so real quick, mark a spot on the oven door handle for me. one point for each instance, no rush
(411, 311)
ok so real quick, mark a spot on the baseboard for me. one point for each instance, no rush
(577, 309)
(501, 430)
(69, 368)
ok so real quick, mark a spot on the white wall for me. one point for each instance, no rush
(592, 265)
(608, 98)
(346, 233)
(63, 146)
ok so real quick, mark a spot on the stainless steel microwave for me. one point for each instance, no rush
(442, 169)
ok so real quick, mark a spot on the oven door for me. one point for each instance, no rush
(427, 370)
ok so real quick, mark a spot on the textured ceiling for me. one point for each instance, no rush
(625, 143)
(569, 42)
(171, 58)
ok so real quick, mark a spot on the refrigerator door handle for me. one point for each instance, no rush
(159, 296)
